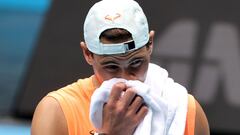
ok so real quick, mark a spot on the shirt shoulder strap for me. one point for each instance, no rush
(191, 114)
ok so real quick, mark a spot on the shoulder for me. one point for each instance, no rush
(49, 118)
(196, 123)
(201, 122)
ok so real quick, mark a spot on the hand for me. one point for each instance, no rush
(122, 113)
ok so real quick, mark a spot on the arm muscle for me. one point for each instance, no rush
(49, 119)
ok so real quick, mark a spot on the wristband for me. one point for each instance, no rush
(99, 133)
(96, 133)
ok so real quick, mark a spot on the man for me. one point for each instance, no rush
(117, 44)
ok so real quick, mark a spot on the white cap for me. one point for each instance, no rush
(108, 14)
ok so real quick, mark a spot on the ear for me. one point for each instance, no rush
(151, 37)
(86, 53)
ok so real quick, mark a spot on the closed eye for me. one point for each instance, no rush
(111, 68)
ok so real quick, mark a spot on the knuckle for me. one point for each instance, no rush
(130, 91)
(145, 108)
(136, 119)
(120, 111)
(111, 105)
(119, 86)
(139, 100)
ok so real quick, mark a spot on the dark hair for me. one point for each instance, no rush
(117, 35)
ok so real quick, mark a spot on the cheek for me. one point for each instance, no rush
(145, 68)
(101, 74)
(141, 74)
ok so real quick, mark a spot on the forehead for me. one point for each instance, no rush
(142, 52)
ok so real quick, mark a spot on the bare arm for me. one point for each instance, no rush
(201, 122)
(49, 119)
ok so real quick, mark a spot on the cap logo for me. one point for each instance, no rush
(112, 18)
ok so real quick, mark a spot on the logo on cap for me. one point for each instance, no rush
(112, 18)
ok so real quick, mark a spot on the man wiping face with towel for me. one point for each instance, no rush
(127, 94)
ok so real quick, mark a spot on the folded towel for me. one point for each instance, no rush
(166, 100)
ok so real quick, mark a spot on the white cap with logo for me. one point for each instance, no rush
(108, 14)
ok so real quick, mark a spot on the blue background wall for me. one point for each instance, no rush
(20, 24)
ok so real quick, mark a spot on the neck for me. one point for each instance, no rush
(96, 82)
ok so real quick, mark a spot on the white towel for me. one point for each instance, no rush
(167, 102)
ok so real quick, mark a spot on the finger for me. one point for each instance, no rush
(136, 104)
(128, 97)
(116, 91)
(142, 112)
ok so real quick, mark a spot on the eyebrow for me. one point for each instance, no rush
(112, 58)
(137, 57)
(109, 62)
